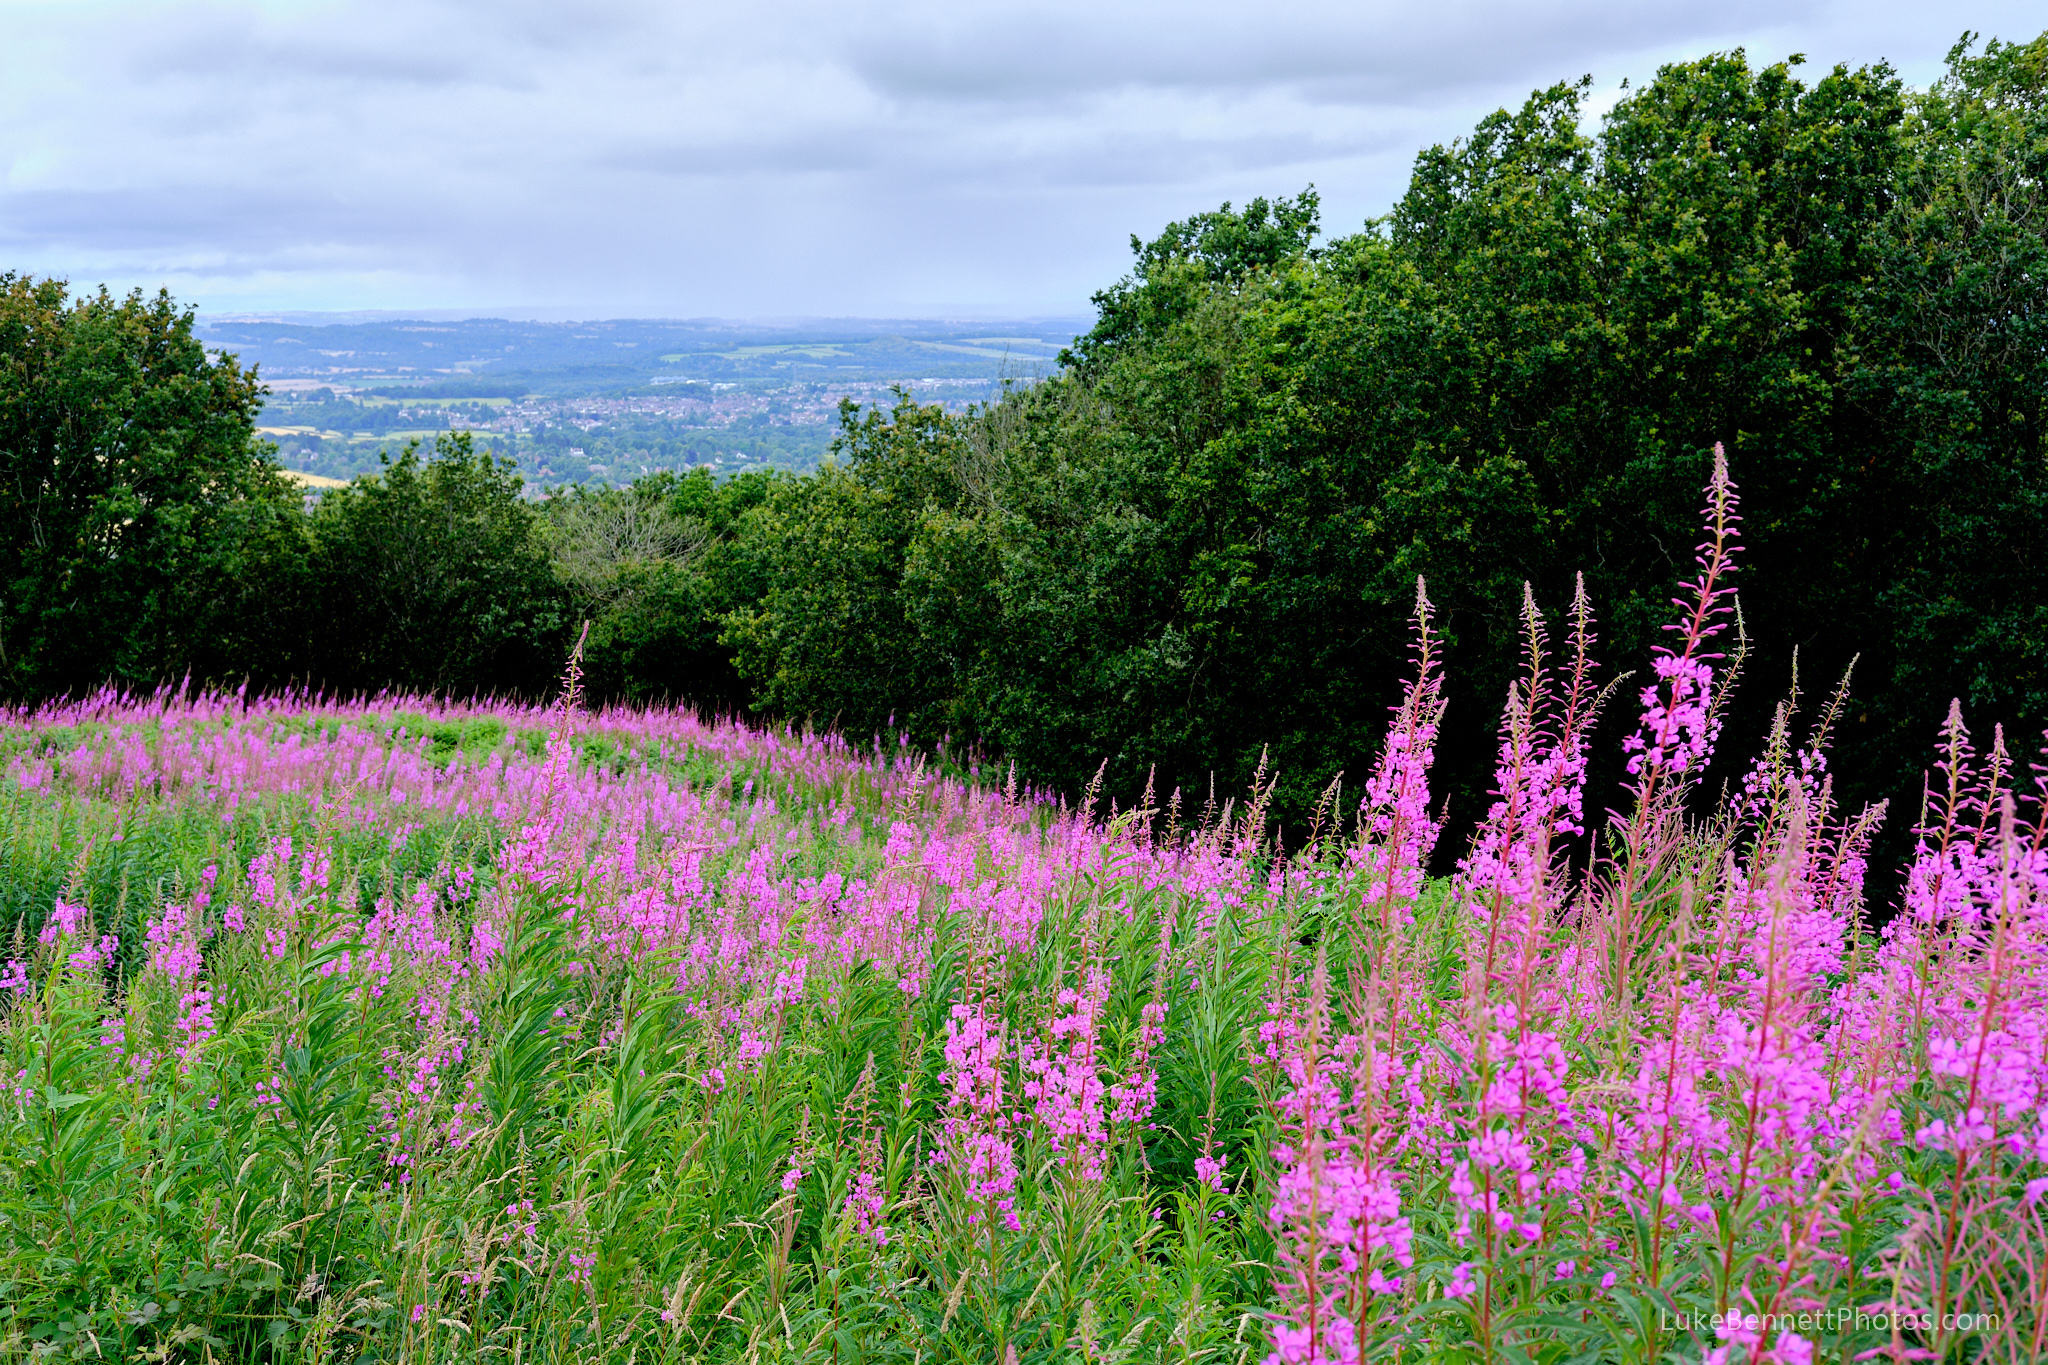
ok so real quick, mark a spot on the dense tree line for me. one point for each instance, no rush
(1198, 542)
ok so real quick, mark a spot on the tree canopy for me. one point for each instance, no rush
(140, 518)
(1193, 550)
(1195, 547)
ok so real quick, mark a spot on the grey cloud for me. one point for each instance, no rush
(364, 49)
(153, 222)
(1392, 52)
(793, 156)
(832, 152)
(232, 230)
(1082, 157)
(1167, 159)
(292, 61)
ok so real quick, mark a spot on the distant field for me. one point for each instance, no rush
(814, 352)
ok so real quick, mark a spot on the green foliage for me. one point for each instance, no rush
(1958, 367)
(830, 635)
(1177, 269)
(1195, 547)
(658, 615)
(324, 1178)
(434, 574)
(143, 527)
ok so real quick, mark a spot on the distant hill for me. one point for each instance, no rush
(496, 355)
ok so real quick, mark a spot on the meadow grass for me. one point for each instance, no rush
(403, 1030)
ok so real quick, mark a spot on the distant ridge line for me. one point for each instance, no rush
(572, 317)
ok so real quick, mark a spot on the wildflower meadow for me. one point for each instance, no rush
(406, 1030)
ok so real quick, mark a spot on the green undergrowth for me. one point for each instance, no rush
(556, 1155)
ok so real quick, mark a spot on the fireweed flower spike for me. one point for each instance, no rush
(1315, 1206)
(1399, 832)
(1336, 1209)
(1534, 1101)
(1668, 753)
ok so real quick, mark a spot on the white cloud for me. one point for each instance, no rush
(788, 156)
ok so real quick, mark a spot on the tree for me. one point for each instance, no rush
(1956, 365)
(829, 636)
(1223, 250)
(435, 574)
(145, 531)
(1195, 548)
(605, 542)
(671, 566)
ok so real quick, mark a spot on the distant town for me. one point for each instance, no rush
(605, 403)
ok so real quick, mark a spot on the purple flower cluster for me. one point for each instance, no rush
(1667, 1055)
(1689, 1064)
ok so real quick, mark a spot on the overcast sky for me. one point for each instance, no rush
(774, 157)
